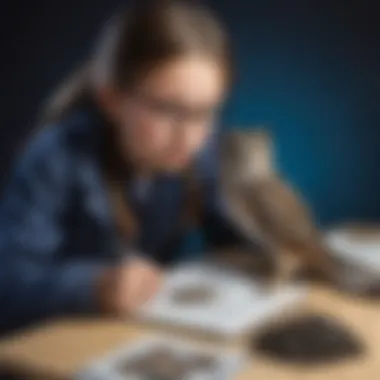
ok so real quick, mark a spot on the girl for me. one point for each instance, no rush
(95, 206)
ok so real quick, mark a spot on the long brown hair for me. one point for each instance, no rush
(131, 45)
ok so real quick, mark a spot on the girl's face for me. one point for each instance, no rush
(168, 119)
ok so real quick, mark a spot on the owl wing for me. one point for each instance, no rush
(280, 211)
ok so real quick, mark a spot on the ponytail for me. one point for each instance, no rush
(74, 92)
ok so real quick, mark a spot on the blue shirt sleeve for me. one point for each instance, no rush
(35, 281)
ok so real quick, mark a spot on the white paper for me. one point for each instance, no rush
(240, 303)
(363, 252)
(228, 363)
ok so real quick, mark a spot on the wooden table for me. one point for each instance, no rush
(58, 350)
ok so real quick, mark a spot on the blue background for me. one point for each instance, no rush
(311, 74)
(308, 70)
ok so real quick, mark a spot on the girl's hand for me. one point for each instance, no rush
(124, 289)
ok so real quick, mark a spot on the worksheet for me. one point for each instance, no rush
(162, 357)
(362, 251)
(216, 300)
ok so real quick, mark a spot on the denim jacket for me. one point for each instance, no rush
(56, 229)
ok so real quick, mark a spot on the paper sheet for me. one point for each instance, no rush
(239, 303)
(225, 363)
(358, 251)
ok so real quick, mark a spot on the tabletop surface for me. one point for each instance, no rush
(59, 349)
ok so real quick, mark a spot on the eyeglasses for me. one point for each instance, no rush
(175, 112)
